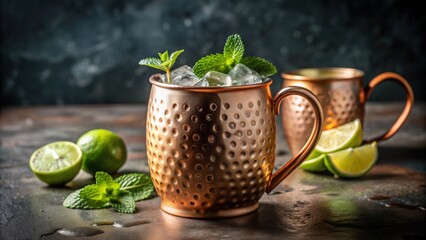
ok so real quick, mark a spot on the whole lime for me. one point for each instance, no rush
(102, 150)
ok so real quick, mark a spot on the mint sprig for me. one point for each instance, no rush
(233, 52)
(164, 62)
(120, 193)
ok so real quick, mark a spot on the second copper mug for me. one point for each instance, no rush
(342, 97)
(211, 150)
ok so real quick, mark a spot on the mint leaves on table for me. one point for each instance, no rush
(233, 52)
(164, 63)
(120, 193)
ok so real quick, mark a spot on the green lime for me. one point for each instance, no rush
(330, 168)
(56, 163)
(314, 154)
(342, 137)
(314, 164)
(103, 150)
(352, 162)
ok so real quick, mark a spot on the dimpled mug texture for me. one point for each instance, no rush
(341, 102)
(211, 152)
(342, 96)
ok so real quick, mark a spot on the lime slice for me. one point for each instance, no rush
(330, 168)
(56, 163)
(314, 164)
(315, 153)
(352, 162)
(342, 137)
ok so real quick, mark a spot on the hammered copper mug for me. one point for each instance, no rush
(211, 150)
(342, 97)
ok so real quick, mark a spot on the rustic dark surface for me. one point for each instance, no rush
(389, 202)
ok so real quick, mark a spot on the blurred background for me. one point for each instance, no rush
(85, 52)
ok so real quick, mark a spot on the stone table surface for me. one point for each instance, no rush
(388, 202)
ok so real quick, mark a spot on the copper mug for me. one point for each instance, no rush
(342, 97)
(211, 150)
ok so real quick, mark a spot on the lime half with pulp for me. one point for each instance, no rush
(342, 137)
(352, 162)
(56, 163)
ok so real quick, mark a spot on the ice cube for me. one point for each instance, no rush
(186, 79)
(181, 70)
(202, 83)
(184, 76)
(243, 75)
(217, 79)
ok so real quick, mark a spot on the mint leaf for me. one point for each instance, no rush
(139, 185)
(260, 65)
(152, 62)
(100, 193)
(214, 62)
(94, 196)
(104, 184)
(124, 204)
(163, 63)
(174, 56)
(74, 200)
(233, 50)
(103, 178)
(164, 56)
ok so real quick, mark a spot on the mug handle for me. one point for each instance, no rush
(408, 104)
(313, 139)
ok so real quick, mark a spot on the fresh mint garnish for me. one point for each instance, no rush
(260, 65)
(214, 62)
(124, 204)
(233, 52)
(120, 193)
(75, 201)
(164, 63)
(138, 185)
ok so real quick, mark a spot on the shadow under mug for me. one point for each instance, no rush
(342, 97)
(211, 150)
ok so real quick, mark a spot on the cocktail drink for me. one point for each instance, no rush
(211, 138)
(342, 97)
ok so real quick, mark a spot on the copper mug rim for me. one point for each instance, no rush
(323, 74)
(154, 79)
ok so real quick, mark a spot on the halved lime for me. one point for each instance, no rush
(342, 137)
(56, 163)
(314, 164)
(352, 162)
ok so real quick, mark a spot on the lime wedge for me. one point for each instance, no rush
(56, 163)
(314, 164)
(342, 137)
(315, 153)
(352, 162)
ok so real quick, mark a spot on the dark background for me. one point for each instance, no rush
(81, 51)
